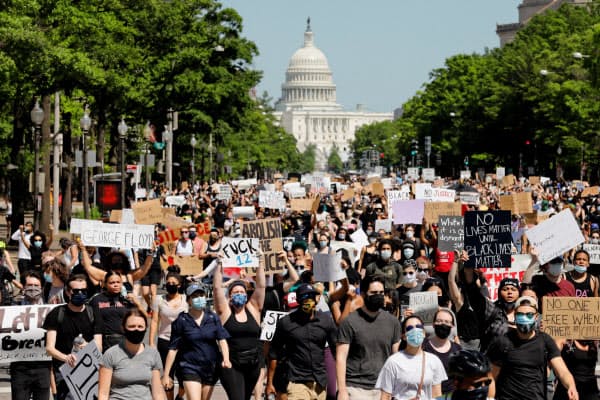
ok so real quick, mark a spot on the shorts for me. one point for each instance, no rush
(206, 380)
(153, 277)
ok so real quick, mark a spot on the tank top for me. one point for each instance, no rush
(582, 289)
(184, 248)
(168, 314)
(211, 250)
(244, 335)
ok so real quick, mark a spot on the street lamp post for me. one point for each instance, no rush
(122, 128)
(85, 123)
(193, 143)
(37, 117)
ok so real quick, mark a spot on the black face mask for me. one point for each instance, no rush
(192, 235)
(134, 336)
(374, 302)
(171, 289)
(507, 306)
(442, 330)
(443, 300)
(480, 393)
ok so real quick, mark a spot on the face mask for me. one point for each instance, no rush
(192, 235)
(595, 241)
(415, 337)
(372, 240)
(480, 393)
(78, 299)
(422, 275)
(554, 269)
(408, 253)
(239, 299)
(342, 236)
(410, 277)
(123, 291)
(199, 303)
(580, 269)
(369, 231)
(308, 305)
(37, 243)
(443, 300)
(525, 324)
(32, 292)
(171, 289)
(323, 244)
(48, 278)
(134, 336)
(374, 302)
(386, 254)
(442, 330)
(410, 234)
(186, 235)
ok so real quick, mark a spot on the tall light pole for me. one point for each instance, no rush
(57, 144)
(85, 123)
(172, 125)
(37, 117)
(193, 143)
(122, 128)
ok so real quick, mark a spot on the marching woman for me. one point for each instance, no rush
(240, 316)
(197, 335)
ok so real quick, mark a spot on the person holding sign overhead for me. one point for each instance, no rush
(240, 316)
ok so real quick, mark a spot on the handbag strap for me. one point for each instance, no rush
(422, 377)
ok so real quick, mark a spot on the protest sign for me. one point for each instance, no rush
(488, 239)
(508, 180)
(22, 336)
(523, 202)
(594, 252)
(82, 379)
(377, 189)
(240, 252)
(465, 174)
(244, 212)
(424, 304)
(347, 194)
(412, 173)
(273, 200)
(123, 236)
(445, 195)
(590, 191)
(534, 180)
(244, 184)
(127, 216)
(572, 317)
(396, 195)
(269, 324)
(189, 265)
(174, 201)
(493, 276)
(409, 211)
(297, 192)
(433, 210)
(147, 212)
(387, 183)
(326, 267)
(301, 204)
(360, 239)
(500, 172)
(385, 224)
(337, 246)
(115, 216)
(428, 174)
(288, 242)
(268, 231)
(225, 192)
(451, 234)
(471, 198)
(423, 191)
(555, 236)
(78, 224)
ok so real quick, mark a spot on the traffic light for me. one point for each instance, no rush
(438, 159)
(428, 145)
(414, 147)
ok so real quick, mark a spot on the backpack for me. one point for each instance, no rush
(61, 314)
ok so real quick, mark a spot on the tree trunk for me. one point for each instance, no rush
(19, 190)
(46, 147)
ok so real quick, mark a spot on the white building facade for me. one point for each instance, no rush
(308, 110)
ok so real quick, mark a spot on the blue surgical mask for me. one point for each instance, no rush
(239, 299)
(408, 253)
(524, 323)
(38, 243)
(580, 269)
(386, 254)
(342, 236)
(48, 278)
(199, 303)
(123, 291)
(415, 337)
(323, 244)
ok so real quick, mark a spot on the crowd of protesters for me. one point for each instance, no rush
(356, 338)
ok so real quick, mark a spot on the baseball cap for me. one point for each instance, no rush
(508, 282)
(195, 287)
(527, 299)
(305, 290)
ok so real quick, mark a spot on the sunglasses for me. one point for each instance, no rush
(482, 383)
(184, 231)
(423, 269)
(408, 273)
(528, 315)
(75, 291)
(411, 327)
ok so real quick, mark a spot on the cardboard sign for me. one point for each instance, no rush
(508, 180)
(424, 304)
(82, 379)
(385, 224)
(518, 203)
(326, 267)
(534, 180)
(488, 239)
(347, 194)
(433, 210)
(269, 324)
(268, 231)
(572, 317)
(594, 252)
(302, 204)
(115, 216)
(240, 252)
(409, 211)
(23, 338)
(337, 246)
(377, 189)
(147, 212)
(244, 212)
(123, 236)
(493, 276)
(189, 265)
(451, 234)
(360, 239)
(590, 191)
(555, 236)
(273, 200)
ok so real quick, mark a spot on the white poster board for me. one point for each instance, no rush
(412, 173)
(360, 239)
(244, 212)
(423, 191)
(500, 173)
(428, 174)
(396, 195)
(224, 192)
(127, 216)
(176, 201)
(337, 245)
(439, 194)
(326, 267)
(465, 174)
(240, 252)
(82, 379)
(594, 251)
(78, 224)
(123, 236)
(555, 236)
(269, 324)
(385, 224)
(273, 200)
(424, 304)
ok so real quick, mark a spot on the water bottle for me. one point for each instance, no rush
(78, 343)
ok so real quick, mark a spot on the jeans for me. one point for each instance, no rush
(30, 380)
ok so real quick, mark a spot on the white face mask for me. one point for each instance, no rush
(408, 253)
(410, 234)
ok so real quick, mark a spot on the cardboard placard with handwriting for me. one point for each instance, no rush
(347, 194)
(147, 212)
(572, 317)
(268, 231)
(534, 180)
(433, 210)
(301, 204)
(189, 265)
(524, 202)
(508, 180)
(590, 191)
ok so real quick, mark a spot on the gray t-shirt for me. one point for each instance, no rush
(132, 375)
(371, 340)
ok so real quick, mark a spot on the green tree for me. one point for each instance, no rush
(334, 161)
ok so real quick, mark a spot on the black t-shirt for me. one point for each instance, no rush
(111, 309)
(72, 324)
(523, 365)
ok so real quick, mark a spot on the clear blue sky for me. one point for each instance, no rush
(380, 51)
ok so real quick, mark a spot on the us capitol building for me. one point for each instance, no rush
(308, 110)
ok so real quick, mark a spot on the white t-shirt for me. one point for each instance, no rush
(401, 375)
(23, 252)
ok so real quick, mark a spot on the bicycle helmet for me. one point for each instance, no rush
(467, 363)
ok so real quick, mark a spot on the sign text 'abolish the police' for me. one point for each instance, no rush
(123, 236)
(488, 238)
(268, 231)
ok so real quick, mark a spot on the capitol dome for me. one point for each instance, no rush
(308, 79)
